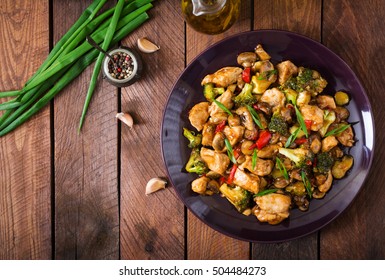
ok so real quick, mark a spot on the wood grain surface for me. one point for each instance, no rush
(65, 195)
(152, 227)
(25, 173)
(86, 202)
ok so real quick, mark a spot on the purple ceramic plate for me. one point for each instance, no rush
(217, 212)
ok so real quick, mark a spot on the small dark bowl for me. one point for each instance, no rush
(133, 77)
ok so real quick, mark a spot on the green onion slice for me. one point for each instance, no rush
(307, 184)
(230, 152)
(337, 130)
(255, 116)
(292, 137)
(223, 107)
(301, 121)
(282, 168)
(265, 192)
(254, 159)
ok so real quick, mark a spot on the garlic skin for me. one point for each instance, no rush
(126, 118)
(147, 46)
(154, 185)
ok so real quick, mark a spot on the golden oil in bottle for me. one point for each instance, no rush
(211, 16)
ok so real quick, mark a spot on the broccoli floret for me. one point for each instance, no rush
(195, 163)
(324, 162)
(278, 124)
(194, 139)
(237, 196)
(299, 156)
(211, 92)
(307, 79)
(246, 96)
(329, 118)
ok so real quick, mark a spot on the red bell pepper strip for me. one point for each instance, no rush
(220, 127)
(246, 75)
(263, 140)
(300, 141)
(230, 179)
(237, 151)
(308, 124)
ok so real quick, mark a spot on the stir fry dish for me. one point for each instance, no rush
(268, 139)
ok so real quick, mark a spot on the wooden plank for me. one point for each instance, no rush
(303, 17)
(25, 190)
(354, 30)
(86, 187)
(203, 242)
(152, 227)
(299, 16)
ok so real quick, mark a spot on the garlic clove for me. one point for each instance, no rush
(147, 46)
(125, 118)
(155, 184)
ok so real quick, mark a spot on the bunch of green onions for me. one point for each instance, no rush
(70, 56)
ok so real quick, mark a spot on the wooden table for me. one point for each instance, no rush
(65, 195)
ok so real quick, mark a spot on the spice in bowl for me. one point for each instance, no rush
(124, 69)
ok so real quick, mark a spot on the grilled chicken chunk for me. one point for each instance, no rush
(198, 115)
(217, 114)
(286, 69)
(314, 114)
(274, 97)
(247, 181)
(262, 167)
(223, 77)
(215, 161)
(272, 208)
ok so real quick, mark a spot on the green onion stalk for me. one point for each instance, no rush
(68, 59)
(124, 27)
(98, 64)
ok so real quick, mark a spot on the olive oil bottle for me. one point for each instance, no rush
(211, 16)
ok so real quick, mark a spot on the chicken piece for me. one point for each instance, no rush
(215, 161)
(314, 114)
(208, 133)
(199, 114)
(199, 185)
(286, 69)
(326, 102)
(274, 97)
(272, 208)
(247, 181)
(315, 145)
(268, 151)
(262, 167)
(223, 77)
(329, 143)
(346, 137)
(234, 134)
(217, 114)
(303, 98)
